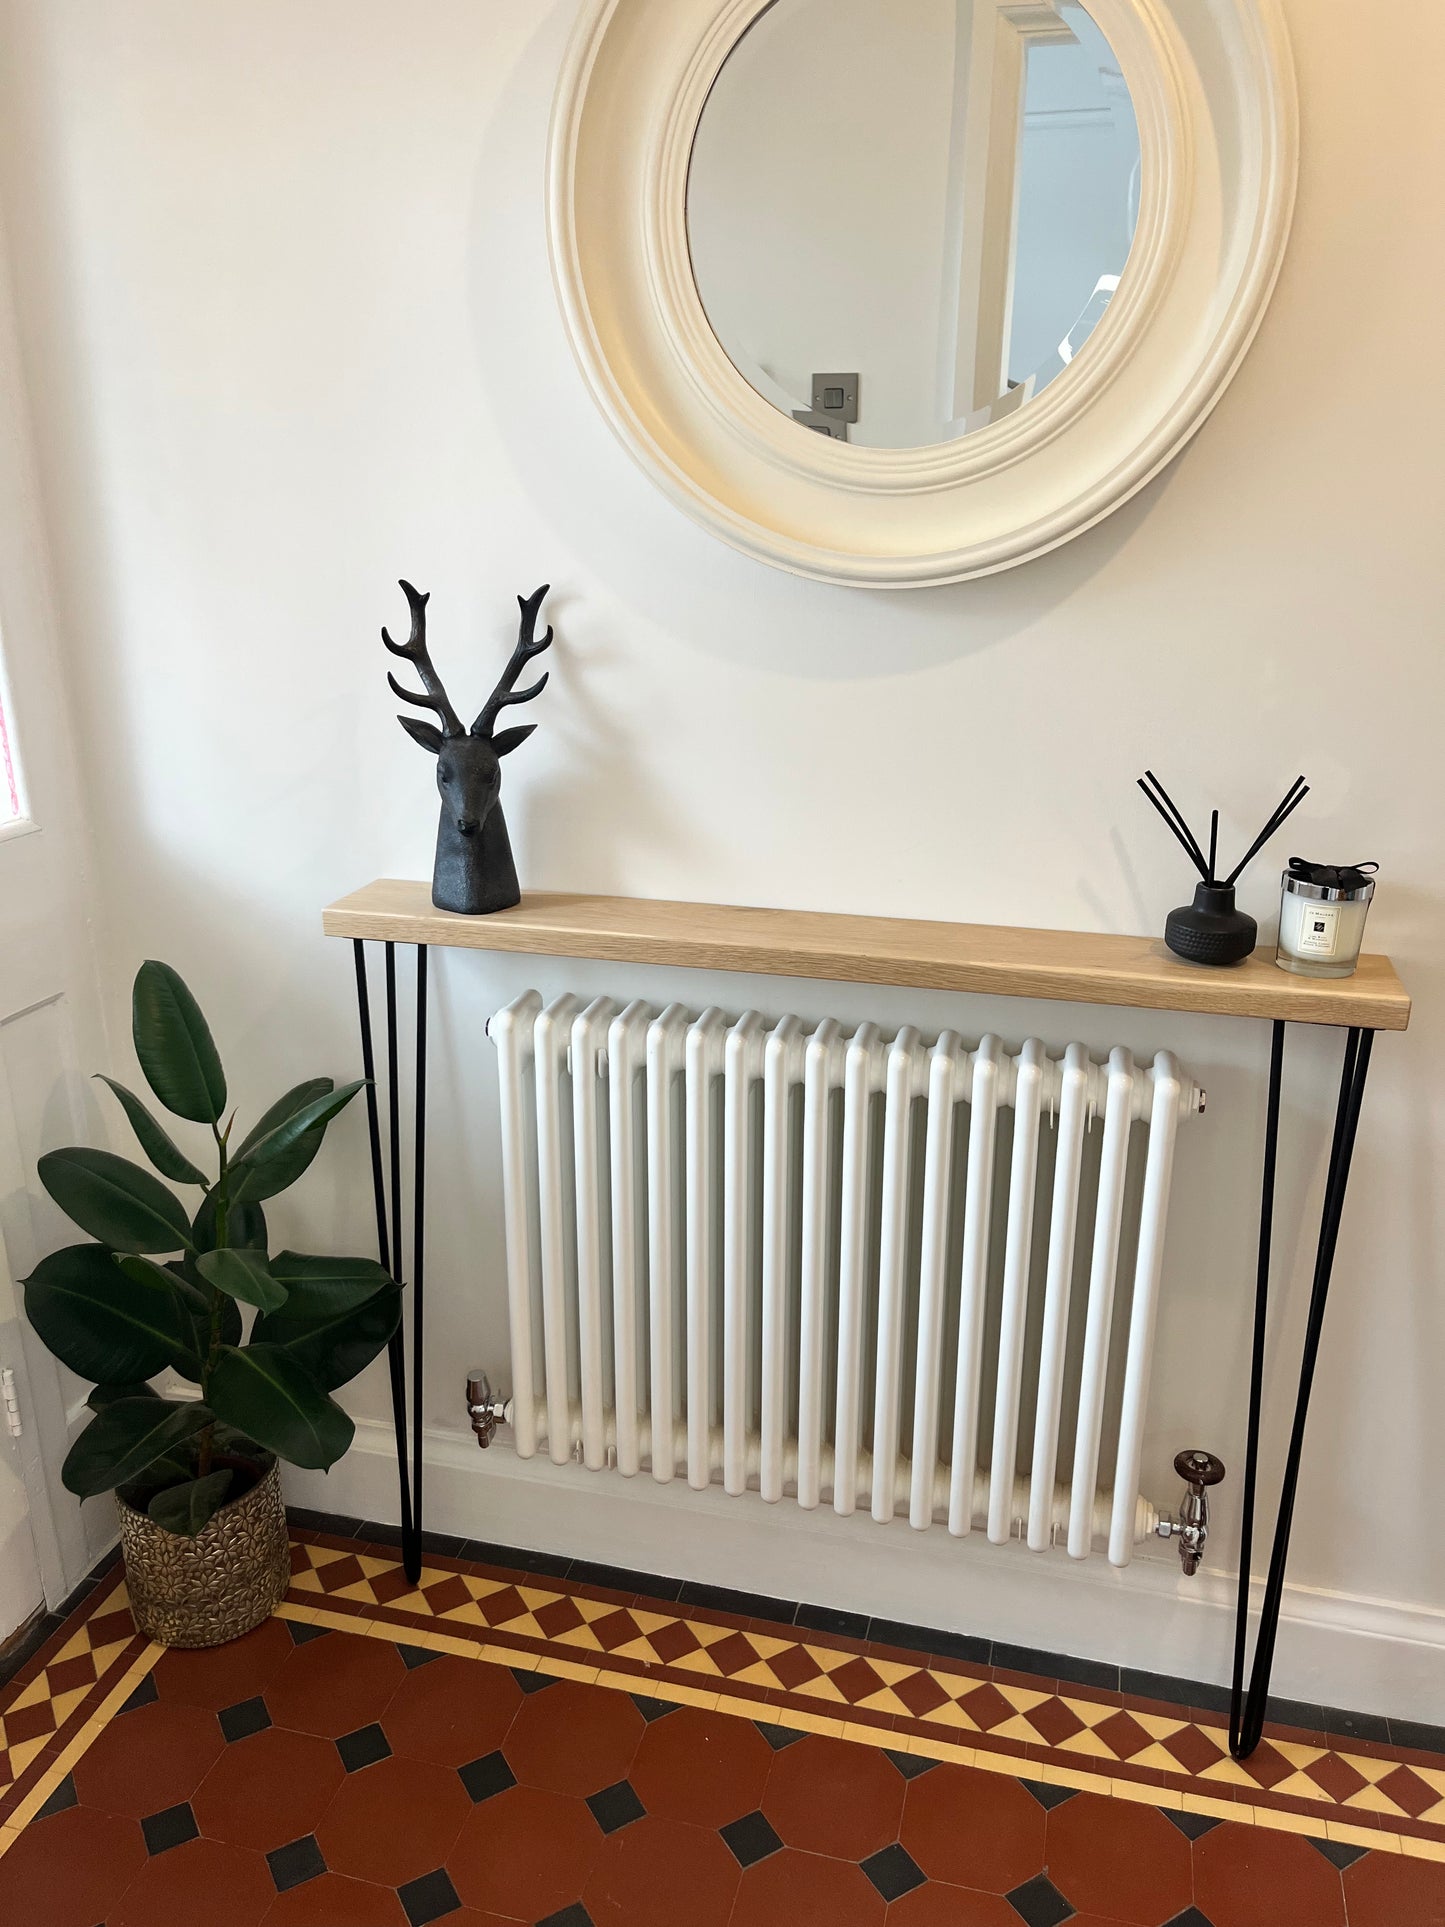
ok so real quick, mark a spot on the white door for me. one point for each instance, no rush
(50, 1031)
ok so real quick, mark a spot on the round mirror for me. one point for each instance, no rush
(905, 220)
(1004, 255)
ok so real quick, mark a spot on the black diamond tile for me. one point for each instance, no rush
(303, 1632)
(245, 1717)
(1039, 1903)
(143, 1694)
(574, 1916)
(1338, 1853)
(910, 1765)
(414, 1656)
(894, 1872)
(296, 1863)
(484, 1777)
(1191, 1917)
(1048, 1796)
(172, 1828)
(64, 1796)
(616, 1807)
(429, 1898)
(652, 1709)
(531, 1682)
(777, 1737)
(364, 1747)
(1193, 1826)
(750, 1839)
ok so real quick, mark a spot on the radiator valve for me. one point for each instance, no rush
(485, 1408)
(1199, 1470)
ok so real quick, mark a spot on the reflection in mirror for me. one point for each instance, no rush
(906, 219)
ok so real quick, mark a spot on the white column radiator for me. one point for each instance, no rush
(837, 1266)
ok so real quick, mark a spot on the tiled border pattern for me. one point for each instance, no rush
(64, 1696)
(1366, 1795)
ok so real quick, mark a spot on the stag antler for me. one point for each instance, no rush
(505, 692)
(415, 651)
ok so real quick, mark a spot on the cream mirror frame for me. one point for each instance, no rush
(1213, 91)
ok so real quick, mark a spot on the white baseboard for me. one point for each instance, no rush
(1335, 1649)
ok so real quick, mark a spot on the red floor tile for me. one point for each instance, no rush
(267, 1789)
(525, 1853)
(221, 1676)
(70, 1869)
(574, 1738)
(1393, 1890)
(149, 1759)
(973, 1829)
(202, 1881)
(1256, 1877)
(394, 1821)
(334, 1685)
(834, 1796)
(332, 1900)
(793, 1889)
(659, 1873)
(452, 1711)
(705, 1768)
(936, 1905)
(1118, 1858)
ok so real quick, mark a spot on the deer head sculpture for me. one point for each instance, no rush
(474, 870)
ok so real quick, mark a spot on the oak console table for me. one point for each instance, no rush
(1055, 965)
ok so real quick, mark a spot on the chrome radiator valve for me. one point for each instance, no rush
(485, 1408)
(1199, 1470)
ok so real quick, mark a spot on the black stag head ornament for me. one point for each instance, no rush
(474, 871)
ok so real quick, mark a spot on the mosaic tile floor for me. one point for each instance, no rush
(500, 1746)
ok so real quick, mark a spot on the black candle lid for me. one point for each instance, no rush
(1349, 877)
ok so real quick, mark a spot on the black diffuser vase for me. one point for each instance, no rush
(1211, 930)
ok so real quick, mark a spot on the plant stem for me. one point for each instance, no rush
(206, 1440)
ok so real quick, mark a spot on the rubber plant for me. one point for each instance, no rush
(165, 1287)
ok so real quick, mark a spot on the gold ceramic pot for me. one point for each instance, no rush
(206, 1590)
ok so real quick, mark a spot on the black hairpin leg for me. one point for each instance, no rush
(389, 1239)
(1247, 1710)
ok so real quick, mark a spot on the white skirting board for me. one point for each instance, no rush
(1335, 1649)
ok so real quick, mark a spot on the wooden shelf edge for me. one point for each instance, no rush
(979, 959)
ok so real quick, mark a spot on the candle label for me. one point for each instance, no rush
(1319, 930)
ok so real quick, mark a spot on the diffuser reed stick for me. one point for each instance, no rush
(1211, 930)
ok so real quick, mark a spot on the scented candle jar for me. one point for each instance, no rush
(1322, 912)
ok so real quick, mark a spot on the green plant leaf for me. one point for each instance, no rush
(185, 1509)
(244, 1275)
(175, 1047)
(123, 1439)
(104, 1395)
(263, 1170)
(200, 1297)
(245, 1225)
(105, 1325)
(265, 1393)
(157, 1143)
(283, 1171)
(115, 1200)
(321, 1286)
(334, 1345)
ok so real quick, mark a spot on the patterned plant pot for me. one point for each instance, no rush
(206, 1590)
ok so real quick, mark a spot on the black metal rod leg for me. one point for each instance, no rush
(396, 1355)
(418, 1234)
(1247, 1710)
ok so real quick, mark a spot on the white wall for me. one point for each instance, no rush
(290, 335)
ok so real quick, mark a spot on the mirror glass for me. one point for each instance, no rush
(906, 217)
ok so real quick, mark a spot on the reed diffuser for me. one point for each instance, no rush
(1211, 930)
